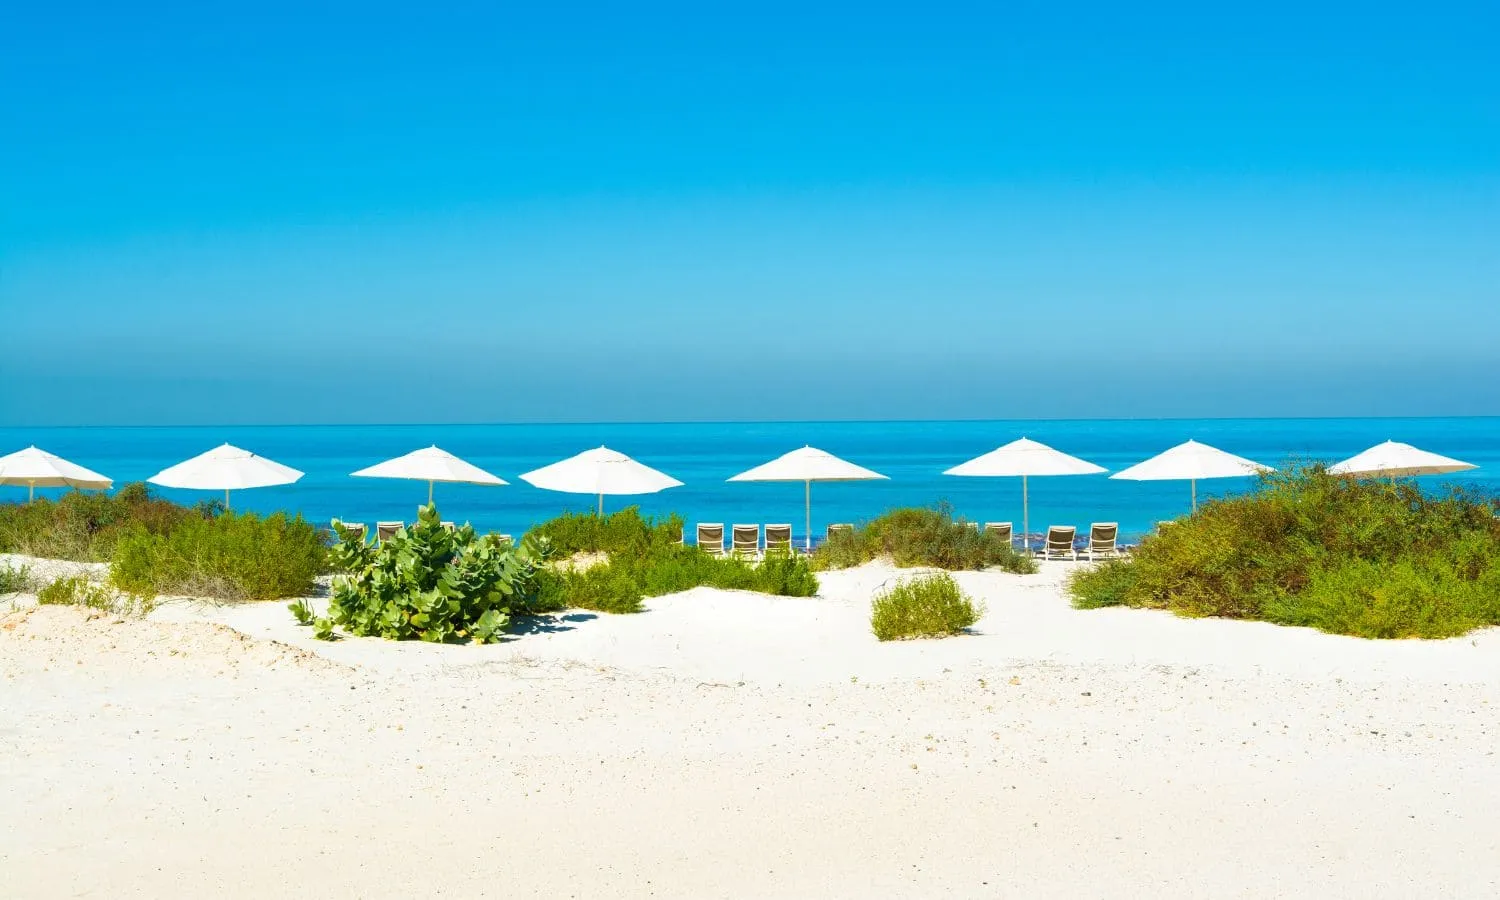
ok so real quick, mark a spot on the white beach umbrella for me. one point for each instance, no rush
(36, 468)
(1396, 460)
(224, 469)
(600, 471)
(807, 465)
(430, 464)
(1024, 458)
(1192, 461)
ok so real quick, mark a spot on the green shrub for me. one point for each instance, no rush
(80, 591)
(920, 536)
(234, 556)
(926, 606)
(86, 525)
(625, 530)
(646, 558)
(15, 580)
(1107, 584)
(1364, 558)
(428, 583)
(786, 575)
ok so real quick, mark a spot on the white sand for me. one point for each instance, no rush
(733, 745)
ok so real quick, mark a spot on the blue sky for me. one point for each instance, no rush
(429, 213)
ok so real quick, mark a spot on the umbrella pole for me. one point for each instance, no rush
(226, 499)
(30, 491)
(429, 493)
(1025, 518)
(1194, 483)
(807, 511)
(601, 506)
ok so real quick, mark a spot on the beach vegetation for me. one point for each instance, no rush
(1359, 557)
(921, 536)
(85, 526)
(924, 606)
(15, 579)
(642, 557)
(230, 556)
(78, 590)
(622, 531)
(430, 583)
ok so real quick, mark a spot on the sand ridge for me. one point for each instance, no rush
(725, 744)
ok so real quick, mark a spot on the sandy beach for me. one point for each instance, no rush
(726, 744)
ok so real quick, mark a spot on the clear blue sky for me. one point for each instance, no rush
(421, 212)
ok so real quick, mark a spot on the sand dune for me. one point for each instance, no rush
(732, 745)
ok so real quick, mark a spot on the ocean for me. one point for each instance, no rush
(703, 455)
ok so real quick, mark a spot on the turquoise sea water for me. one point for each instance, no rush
(913, 454)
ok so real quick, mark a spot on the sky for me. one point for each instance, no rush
(497, 212)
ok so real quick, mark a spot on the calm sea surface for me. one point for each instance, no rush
(913, 454)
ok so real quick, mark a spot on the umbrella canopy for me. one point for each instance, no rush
(1024, 458)
(807, 465)
(224, 469)
(1191, 461)
(600, 471)
(430, 464)
(1397, 460)
(36, 468)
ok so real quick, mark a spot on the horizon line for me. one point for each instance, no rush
(621, 422)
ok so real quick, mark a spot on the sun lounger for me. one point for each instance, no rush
(1059, 543)
(745, 540)
(840, 526)
(779, 538)
(1103, 540)
(1002, 530)
(448, 526)
(711, 537)
(356, 529)
(384, 531)
(505, 539)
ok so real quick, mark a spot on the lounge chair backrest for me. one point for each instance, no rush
(384, 531)
(505, 539)
(1102, 536)
(1060, 537)
(746, 539)
(1002, 530)
(448, 526)
(711, 537)
(356, 529)
(839, 526)
(778, 537)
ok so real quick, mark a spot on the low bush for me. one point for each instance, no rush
(15, 580)
(646, 558)
(80, 591)
(233, 556)
(86, 525)
(619, 584)
(432, 584)
(1365, 558)
(625, 530)
(921, 536)
(926, 606)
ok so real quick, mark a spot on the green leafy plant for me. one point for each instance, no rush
(432, 584)
(15, 580)
(301, 611)
(232, 556)
(921, 536)
(925, 606)
(1364, 558)
(80, 591)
